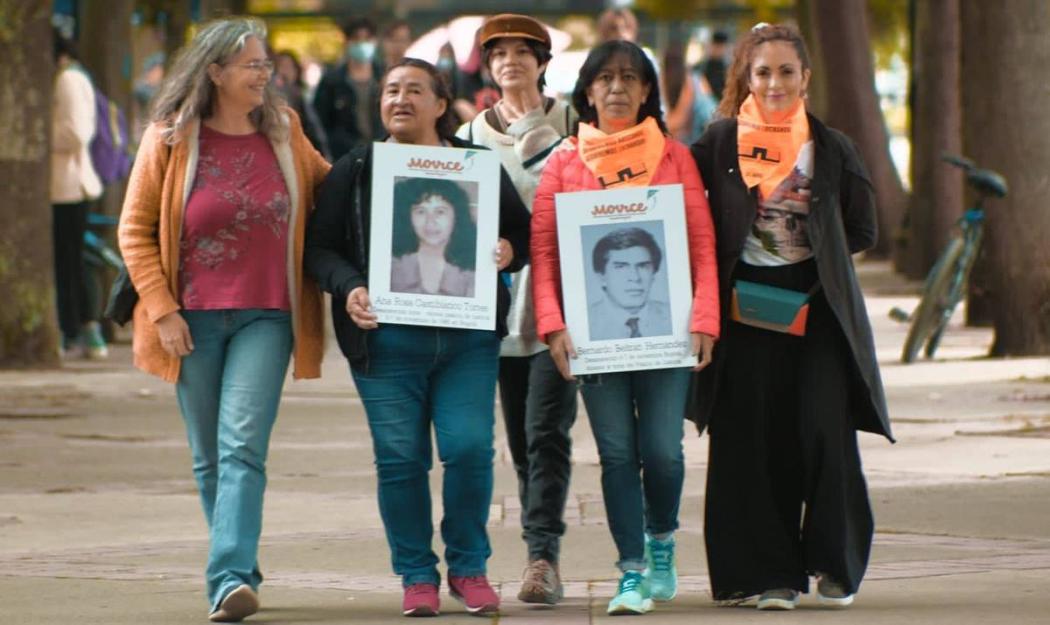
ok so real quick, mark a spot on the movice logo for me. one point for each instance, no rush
(438, 166)
(632, 208)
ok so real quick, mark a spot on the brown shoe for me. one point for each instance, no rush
(241, 602)
(541, 583)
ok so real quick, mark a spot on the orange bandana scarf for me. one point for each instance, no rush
(768, 144)
(624, 159)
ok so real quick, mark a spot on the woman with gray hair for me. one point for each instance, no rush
(212, 235)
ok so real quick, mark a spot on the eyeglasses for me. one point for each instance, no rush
(259, 67)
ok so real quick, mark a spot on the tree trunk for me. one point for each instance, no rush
(816, 98)
(853, 104)
(178, 22)
(28, 332)
(1007, 129)
(110, 66)
(936, 128)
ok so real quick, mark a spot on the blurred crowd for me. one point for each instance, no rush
(338, 105)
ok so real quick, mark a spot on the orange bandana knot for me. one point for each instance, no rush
(768, 144)
(624, 159)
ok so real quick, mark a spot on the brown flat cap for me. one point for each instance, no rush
(514, 25)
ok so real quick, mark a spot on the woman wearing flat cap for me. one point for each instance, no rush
(539, 406)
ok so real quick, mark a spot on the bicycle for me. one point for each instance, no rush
(946, 283)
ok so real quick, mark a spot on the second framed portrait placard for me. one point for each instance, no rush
(626, 278)
(435, 223)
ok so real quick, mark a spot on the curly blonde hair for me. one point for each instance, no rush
(188, 93)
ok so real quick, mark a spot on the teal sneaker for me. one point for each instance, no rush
(663, 575)
(632, 596)
(93, 344)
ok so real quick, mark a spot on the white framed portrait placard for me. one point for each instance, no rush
(625, 278)
(435, 223)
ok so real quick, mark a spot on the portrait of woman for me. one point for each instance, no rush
(434, 242)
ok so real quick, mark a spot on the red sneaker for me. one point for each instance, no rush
(474, 593)
(420, 600)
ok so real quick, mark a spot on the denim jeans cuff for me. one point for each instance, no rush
(550, 555)
(631, 565)
(544, 550)
(469, 572)
(430, 577)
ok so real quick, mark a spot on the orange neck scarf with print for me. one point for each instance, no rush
(623, 159)
(768, 143)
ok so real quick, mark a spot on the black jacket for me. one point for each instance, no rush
(337, 239)
(335, 103)
(841, 222)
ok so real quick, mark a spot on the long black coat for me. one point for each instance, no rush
(841, 222)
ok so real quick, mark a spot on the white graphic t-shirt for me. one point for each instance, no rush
(779, 235)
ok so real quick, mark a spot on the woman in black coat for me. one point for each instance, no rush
(786, 496)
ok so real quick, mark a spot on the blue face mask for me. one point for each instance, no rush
(361, 51)
(445, 64)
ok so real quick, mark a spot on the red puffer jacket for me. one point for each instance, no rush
(565, 173)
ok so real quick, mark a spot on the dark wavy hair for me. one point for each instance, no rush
(599, 58)
(448, 122)
(621, 240)
(739, 74)
(540, 51)
(462, 245)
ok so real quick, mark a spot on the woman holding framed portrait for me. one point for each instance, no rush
(636, 416)
(413, 379)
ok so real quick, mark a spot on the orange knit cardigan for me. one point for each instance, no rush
(151, 228)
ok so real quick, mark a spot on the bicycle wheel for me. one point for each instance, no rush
(933, 304)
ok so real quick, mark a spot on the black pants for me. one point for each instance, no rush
(68, 223)
(786, 496)
(539, 408)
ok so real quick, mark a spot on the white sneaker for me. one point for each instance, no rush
(831, 593)
(778, 599)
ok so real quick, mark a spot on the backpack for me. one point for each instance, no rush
(109, 146)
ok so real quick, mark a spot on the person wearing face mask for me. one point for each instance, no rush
(345, 99)
(413, 379)
(786, 497)
(636, 416)
(539, 406)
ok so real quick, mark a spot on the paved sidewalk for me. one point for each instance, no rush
(99, 520)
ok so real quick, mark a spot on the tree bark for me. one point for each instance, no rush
(28, 330)
(1007, 129)
(110, 66)
(853, 104)
(816, 98)
(178, 21)
(936, 127)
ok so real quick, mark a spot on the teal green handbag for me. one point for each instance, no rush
(770, 307)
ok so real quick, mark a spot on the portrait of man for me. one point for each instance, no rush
(626, 262)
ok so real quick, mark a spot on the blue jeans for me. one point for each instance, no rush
(637, 421)
(228, 391)
(417, 377)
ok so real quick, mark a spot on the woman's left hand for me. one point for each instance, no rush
(503, 254)
(703, 347)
